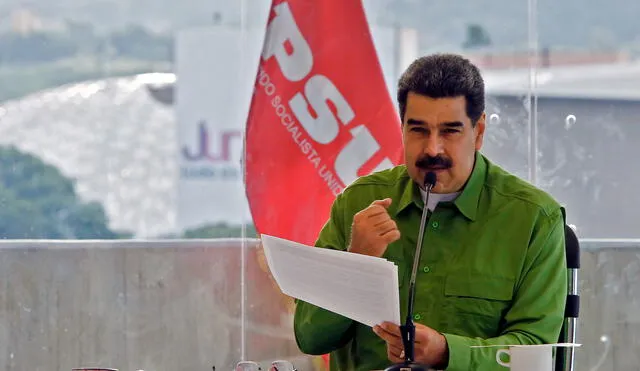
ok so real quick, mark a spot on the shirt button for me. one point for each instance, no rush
(426, 269)
(435, 225)
(417, 317)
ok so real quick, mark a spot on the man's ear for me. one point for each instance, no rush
(479, 131)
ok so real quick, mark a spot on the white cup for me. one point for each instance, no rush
(282, 365)
(527, 358)
(247, 366)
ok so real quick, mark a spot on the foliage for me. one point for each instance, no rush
(477, 36)
(38, 202)
(81, 39)
(220, 230)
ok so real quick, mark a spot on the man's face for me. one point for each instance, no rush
(438, 136)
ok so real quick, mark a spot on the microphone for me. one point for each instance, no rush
(408, 330)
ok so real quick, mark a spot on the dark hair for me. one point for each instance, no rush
(443, 76)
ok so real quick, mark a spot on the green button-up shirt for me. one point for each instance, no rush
(492, 269)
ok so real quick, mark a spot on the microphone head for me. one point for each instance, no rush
(430, 179)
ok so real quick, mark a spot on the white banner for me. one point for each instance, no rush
(215, 76)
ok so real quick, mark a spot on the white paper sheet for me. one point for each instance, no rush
(359, 287)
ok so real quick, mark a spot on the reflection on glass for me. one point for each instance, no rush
(494, 119)
(569, 121)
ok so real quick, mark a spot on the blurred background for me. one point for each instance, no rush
(127, 240)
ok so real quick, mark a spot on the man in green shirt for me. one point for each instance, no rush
(492, 268)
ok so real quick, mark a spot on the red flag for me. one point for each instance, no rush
(321, 116)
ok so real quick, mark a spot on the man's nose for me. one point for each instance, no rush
(433, 145)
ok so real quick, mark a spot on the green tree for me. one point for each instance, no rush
(35, 48)
(139, 43)
(37, 201)
(219, 230)
(20, 219)
(477, 37)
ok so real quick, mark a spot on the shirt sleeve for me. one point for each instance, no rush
(537, 312)
(319, 331)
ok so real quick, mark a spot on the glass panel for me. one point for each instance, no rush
(126, 305)
(587, 106)
(609, 313)
(402, 31)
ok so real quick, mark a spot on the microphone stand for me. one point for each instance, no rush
(408, 330)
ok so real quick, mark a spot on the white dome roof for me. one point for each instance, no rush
(113, 138)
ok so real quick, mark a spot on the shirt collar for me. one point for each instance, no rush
(466, 202)
(410, 194)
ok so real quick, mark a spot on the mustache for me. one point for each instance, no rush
(440, 162)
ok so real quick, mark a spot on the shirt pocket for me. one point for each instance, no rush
(477, 304)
